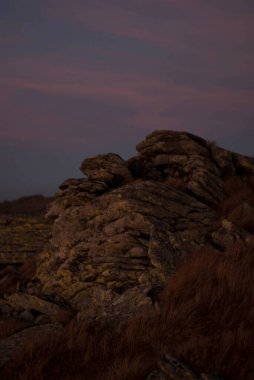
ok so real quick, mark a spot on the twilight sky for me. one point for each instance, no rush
(83, 77)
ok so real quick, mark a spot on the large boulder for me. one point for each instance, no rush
(123, 230)
(181, 154)
(131, 237)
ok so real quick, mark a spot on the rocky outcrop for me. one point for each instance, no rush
(124, 240)
(124, 229)
(109, 168)
(113, 239)
(55, 312)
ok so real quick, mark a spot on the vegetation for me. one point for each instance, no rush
(238, 207)
(205, 317)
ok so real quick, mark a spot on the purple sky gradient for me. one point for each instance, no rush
(83, 77)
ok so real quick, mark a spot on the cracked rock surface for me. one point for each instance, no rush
(123, 230)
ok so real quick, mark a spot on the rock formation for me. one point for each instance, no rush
(119, 234)
(123, 230)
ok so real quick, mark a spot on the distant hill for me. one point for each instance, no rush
(32, 204)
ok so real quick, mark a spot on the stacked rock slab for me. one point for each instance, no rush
(123, 230)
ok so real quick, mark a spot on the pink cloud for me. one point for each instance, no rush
(13, 40)
(54, 79)
(202, 32)
(195, 19)
(150, 97)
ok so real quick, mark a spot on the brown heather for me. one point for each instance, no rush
(239, 204)
(13, 278)
(204, 317)
(11, 326)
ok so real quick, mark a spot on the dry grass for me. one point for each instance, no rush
(13, 277)
(239, 205)
(27, 270)
(210, 314)
(11, 326)
(237, 189)
(206, 317)
(8, 279)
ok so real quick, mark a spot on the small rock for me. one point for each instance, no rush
(27, 316)
(110, 168)
(42, 319)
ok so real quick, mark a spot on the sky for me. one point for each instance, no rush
(85, 77)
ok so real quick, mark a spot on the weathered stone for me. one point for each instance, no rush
(182, 155)
(120, 235)
(224, 160)
(23, 301)
(72, 183)
(27, 316)
(82, 186)
(172, 142)
(244, 164)
(127, 226)
(75, 193)
(110, 168)
(227, 234)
